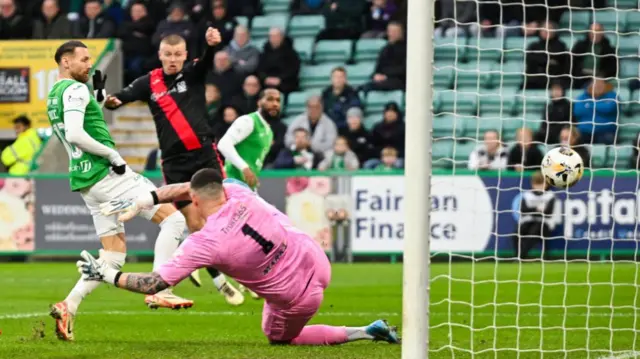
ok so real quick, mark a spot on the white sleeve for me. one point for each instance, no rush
(240, 129)
(74, 101)
(473, 160)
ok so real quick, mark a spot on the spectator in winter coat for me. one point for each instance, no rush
(53, 24)
(596, 112)
(226, 79)
(279, 64)
(298, 155)
(136, 42)
(177, 23)
(593, 55)
(378, 17)
(359, 137)
(247, 101)
(557, 115)
(570, 137)
(390, 131)
(321, 129)
(490, 155)
(547, 60)
(343, 19)
(457, 16)
(225, 117)
(218, 18)
(94, 24)
(244, 56)
(13, 24)
(524, 155)
(391, 67)
(213, 101)
(279, 130)
(340, 158)
(339, 97)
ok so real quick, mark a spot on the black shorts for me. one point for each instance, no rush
(180, 168)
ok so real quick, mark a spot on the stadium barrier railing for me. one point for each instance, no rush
(473, 214)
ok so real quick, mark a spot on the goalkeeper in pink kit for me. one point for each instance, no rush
(252, 242)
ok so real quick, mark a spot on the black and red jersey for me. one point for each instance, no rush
(177, 103)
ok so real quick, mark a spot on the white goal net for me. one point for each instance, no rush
(571, 80)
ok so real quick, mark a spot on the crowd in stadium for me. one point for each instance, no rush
(340, 122)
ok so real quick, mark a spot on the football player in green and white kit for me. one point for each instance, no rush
(248, 141)
(99, 174)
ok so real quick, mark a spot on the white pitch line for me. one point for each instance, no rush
(321, 314)
(624, 355)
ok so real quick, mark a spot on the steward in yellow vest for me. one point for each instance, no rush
(18, 156)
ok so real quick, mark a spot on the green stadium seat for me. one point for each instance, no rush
(376, 100)
(570, 39)
(372, 120)
(531, 101)
(306, 25)
(443, 74)
(360, 73)
(368, 49)
(618, 156)
(628, 46)
(623, 4)
(625, 99)
(315, 76)
(450, 48)
(332, 51)
(575, 20)
(261, 25)
(275, 6)
(461, 152)
(509, 74)
(500, 100)
(611, 20)
(481, 49)
(243, 20)
(514, 48)
(296, 101)
(461, 103)
(259, 42)
(633, 20)
(472, 75)
(442, 151)
(598, 156)
(449, 126)
(288, 120)
(628, 69)
(304, 47)
(628, 128)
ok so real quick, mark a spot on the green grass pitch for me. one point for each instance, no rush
(582, 313)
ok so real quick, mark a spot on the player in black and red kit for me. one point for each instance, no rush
(175, 95)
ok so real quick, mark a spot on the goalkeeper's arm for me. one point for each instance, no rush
(74, 101)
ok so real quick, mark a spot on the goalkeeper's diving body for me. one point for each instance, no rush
(248, 141)
(99, 174)
(253, 242)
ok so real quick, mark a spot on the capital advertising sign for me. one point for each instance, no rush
(479, 214)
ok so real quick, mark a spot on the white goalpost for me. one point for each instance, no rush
(479, 299)
(415, 308)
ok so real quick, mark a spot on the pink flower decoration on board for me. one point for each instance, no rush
(24, 238)
(320, 185)
(17, 186)
(296, 184)
(323, 237)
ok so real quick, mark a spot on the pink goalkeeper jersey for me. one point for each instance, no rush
(252, 242)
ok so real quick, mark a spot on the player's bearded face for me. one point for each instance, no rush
(79, 65)
(270, 105)
(172, 57)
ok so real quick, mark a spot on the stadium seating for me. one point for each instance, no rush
(368, 49)
(575, 20)
(618, 156)
(484, 49)
(275, 6)
(315, 76)
(598, 155)
(332, 51)
(442, 152)
(306, 25)
(376, 100)
(296, 101)
(360, 73)
(261, 25)
(304, 47)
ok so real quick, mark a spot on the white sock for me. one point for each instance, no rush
(219, 281)
(354, 334)
(83, 288)
(171, 232)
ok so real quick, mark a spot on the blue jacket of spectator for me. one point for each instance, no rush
(336, 106)
(598, 115)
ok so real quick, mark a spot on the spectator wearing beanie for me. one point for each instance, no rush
(359, 138)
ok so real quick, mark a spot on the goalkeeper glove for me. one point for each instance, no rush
(99, 82)
(96, 269)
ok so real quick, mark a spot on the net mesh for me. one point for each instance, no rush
(582, 300)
